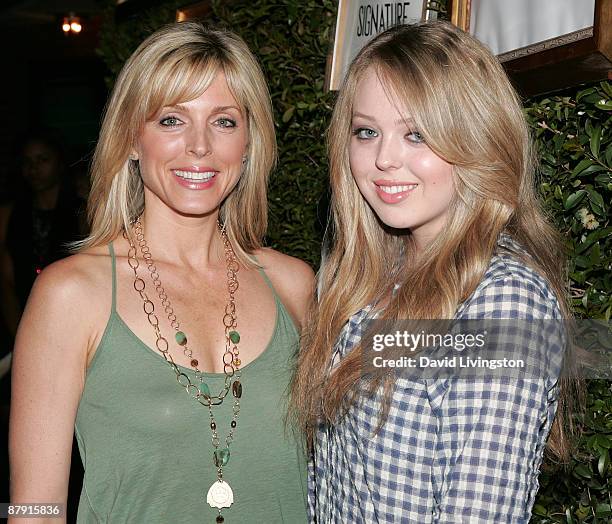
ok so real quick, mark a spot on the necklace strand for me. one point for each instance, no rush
(220, 494)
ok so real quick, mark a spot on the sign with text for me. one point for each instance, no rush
(361, 20)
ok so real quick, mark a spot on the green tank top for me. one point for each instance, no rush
(146, 445)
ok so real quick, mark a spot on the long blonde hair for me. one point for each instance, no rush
(468, 113)
(177, 64)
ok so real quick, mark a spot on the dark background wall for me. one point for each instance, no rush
(51, 80)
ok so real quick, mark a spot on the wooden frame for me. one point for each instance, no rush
(557, 63)
(460, 14)
(196, 11)
(332, 74)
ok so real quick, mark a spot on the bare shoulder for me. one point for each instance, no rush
(290, 273)
(285, 266)
(292, 278)
(58, 328)
(72, 297)
(78, 275)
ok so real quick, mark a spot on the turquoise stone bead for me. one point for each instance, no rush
(234, 336)
(181, 338)
(204, 389)
(221, 457)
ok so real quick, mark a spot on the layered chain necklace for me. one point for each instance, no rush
(220, 494)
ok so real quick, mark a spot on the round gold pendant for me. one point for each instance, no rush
(220, 495)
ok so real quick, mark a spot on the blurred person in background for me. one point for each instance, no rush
(36, 227)
(43, 216)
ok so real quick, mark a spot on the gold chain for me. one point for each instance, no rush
(231, 360)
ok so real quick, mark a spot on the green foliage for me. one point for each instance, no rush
(575, 149)
(291, 40)
(582, 493)
(118, 40)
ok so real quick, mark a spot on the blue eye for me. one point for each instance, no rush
(226, 122)
(170, 121)
(415, 137)
(364, 133)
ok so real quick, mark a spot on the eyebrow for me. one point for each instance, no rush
(216, 109)
(401, 121)
(220, 109)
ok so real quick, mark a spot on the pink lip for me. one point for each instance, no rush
(385, 182)
(192, 184)
(195, 169)
(394, 198)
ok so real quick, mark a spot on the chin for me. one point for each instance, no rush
(395, 220)
(194, 206)
(196, 211)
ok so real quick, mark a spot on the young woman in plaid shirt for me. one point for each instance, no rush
(434, 217)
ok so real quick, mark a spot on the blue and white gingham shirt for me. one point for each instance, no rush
(451, 450)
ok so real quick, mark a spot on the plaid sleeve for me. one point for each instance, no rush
(491, 431)
(490, 439)
(311, 489)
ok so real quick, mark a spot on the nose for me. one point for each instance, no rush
(197, 143)
(29, 167)
(388, 156)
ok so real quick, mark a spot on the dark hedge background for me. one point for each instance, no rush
(291, 39)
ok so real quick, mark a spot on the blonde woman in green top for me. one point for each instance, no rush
(168, 338)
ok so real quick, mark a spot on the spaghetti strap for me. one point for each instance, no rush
(269, 282)
(111, 250)
(283, 316)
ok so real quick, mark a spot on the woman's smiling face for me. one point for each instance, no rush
(191, 154)
(404, 181)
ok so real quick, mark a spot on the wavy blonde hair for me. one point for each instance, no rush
(468, 113)
(173, 65)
